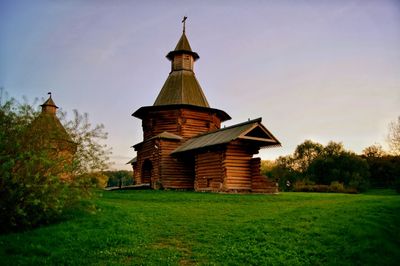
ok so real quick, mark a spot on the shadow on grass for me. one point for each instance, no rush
(381, 192)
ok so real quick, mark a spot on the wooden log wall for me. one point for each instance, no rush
(157, 122)
(147, 151)
(237, 167)
(193, 122)
(209, 171)
(260, 184)
(175, 173)
(183, 122)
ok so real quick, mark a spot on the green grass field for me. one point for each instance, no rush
(187, 228)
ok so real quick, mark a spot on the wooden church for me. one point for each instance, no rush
(184, 146)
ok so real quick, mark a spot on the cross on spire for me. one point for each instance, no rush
(184, 23)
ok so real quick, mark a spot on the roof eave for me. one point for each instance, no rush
(142, 111)
(171, 54)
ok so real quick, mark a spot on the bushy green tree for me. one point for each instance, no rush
(374, 151)
(36, 184)
(343, 167)
(315, 164)
(119, 178)
(285, 172)
(393, 137)
(305, 154)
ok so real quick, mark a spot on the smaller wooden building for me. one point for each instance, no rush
(184, 146)
(47, 134)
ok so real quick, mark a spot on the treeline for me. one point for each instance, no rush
(332, 168)
(119, 178)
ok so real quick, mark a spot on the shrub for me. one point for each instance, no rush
(38, 180)
(304, 186)
(397, 184)
(358, 182)
(308, 186)
(341, 166)
(337, 187)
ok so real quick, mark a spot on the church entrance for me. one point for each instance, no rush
(147, 170)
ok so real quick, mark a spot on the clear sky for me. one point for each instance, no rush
(320, 70)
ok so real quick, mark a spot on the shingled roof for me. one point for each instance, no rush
(49, 102)
(47, 130)
(182, 46)
(251, 130)
(181, 87)
(163, 135)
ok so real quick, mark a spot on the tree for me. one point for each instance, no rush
(266, 167)
(333, 149)
(315, 164)
(344, 167)
(305, 153)
(393, 137)
(374, 151)
(284, 171)
(32, 185)
(91, 156)
(119, 178)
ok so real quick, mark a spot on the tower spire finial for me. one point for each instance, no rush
(184, 23)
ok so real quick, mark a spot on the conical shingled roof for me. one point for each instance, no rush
(47, 131)
(181, 86)
(49, 102)
(183, 46)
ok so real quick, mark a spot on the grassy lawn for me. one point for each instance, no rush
(187, 228)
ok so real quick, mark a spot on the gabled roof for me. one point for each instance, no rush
(181, 87)
(182, 47)
(163, 135)
(166, 135)
(132, 161)
(142, 111)
(251, 130)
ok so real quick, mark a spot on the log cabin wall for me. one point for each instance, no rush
(175, 173)
(147, 152)
(194, 122)
(259, 183)
(183, 122)
(156, 122)
(237, 166)
(209, 171)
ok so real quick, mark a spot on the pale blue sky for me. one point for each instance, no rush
(320, 70)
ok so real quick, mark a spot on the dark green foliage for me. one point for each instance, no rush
(335, 187)
(397, 185)
(312, 162)
(305, 154)
(186, 228)
(38, 181)
(343, 167)
(119, 178)
(385, 170)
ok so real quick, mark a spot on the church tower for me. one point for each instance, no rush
(180, 111)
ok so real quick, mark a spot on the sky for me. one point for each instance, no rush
(319, 70)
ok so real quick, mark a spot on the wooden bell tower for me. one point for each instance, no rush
(180, 111)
